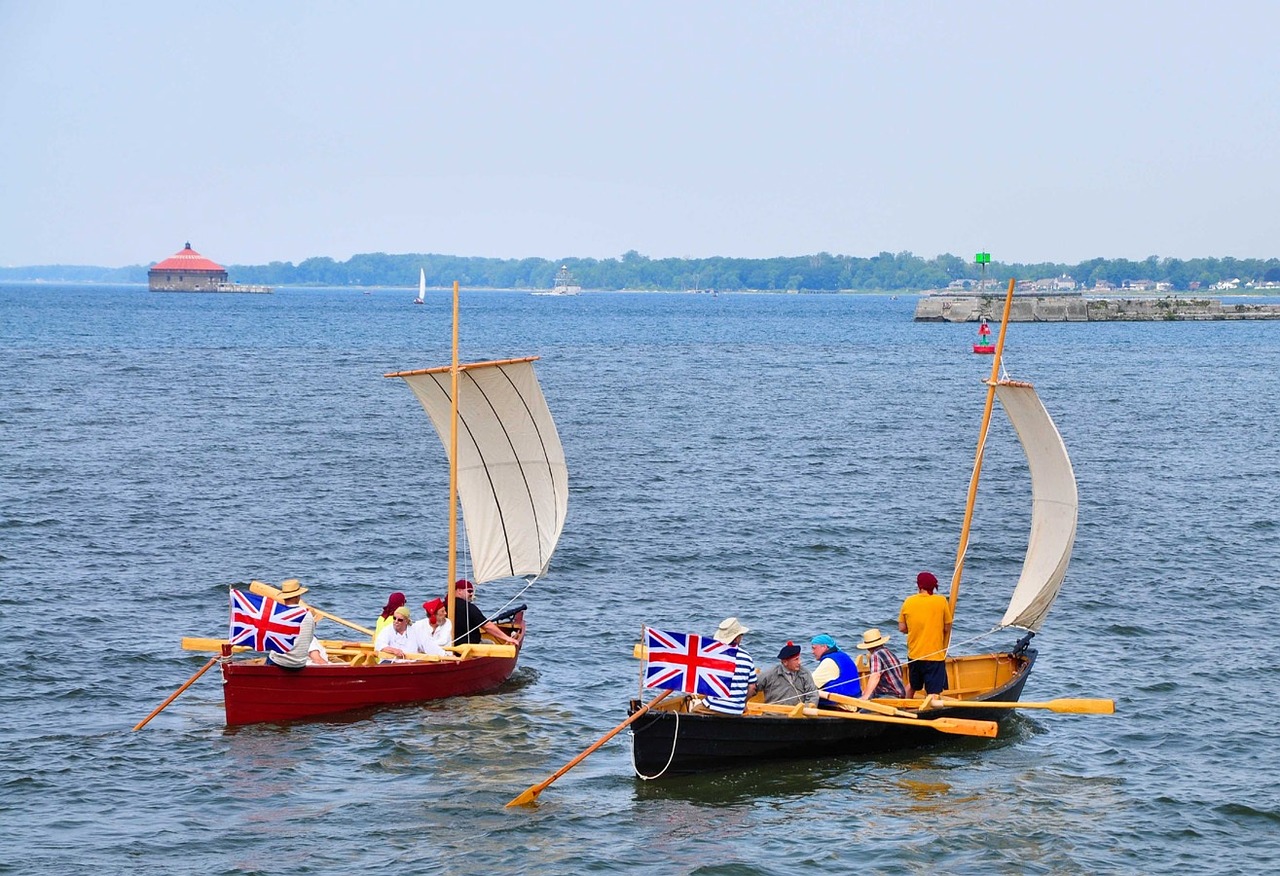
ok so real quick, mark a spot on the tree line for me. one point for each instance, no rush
(822, 272)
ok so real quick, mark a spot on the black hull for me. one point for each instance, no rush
(680, 743)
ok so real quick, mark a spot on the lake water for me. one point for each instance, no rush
(792, 460)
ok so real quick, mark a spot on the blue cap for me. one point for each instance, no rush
(824, 639)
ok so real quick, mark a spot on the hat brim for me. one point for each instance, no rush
(867, 646)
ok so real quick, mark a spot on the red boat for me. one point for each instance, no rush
(508, 470)
(255, 691)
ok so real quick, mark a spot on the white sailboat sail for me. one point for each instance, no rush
(422, 286)
(512, 477)
(1054, 504)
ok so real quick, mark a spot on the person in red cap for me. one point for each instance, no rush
(394, 601)
(435, 627)
(926, 619)
(469, 621)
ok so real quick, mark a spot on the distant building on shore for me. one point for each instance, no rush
(188, 271)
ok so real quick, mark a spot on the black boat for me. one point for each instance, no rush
(670, 739)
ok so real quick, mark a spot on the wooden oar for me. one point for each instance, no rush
(530, 794)
(195, 643)
(959, 726)
(1075, 706)
(261, 588)
(174, 695)
(869, 705)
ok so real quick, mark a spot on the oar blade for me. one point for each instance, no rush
(965, 727)
(527, 797)
(1084, 706)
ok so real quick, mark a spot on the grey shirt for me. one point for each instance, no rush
(780, 685)
(297, 656)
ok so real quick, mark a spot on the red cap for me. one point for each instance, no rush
(927, 581)
(433, 605)
(463, 584)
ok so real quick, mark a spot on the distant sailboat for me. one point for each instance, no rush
(422, 287)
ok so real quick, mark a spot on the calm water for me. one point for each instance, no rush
(792, 460)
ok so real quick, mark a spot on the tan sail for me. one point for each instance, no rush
(1054, 505)
(512, 477)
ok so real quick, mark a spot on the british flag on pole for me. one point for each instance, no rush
(689, 663)
(264, 624)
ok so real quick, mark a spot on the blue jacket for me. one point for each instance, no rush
(846, 683)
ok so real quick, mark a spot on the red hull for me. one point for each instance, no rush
(255, 693)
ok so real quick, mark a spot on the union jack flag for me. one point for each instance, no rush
(264, 624)
(689, 663)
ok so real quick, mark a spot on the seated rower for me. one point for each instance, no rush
(836, 673)
(395, 639)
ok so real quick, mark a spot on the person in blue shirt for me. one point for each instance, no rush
(837, 671)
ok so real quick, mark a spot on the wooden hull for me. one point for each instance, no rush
(254, 692)
(671, 742)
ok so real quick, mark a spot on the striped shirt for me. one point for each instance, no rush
(744, 674)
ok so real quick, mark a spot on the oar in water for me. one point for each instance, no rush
(958, 726)
(261, 588)
(1074, 706)
(190, 681)
(530, 794)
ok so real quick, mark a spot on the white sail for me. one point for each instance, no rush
(422, 285)
(512, 477)
(1054, 503)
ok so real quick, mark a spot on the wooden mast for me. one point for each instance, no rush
(982, 442)
(453, 467)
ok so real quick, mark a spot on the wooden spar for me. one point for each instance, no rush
(464, 367)
(982, 441)
(261, 588)
(451, 590)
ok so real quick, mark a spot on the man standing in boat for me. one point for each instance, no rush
(743, 686)
(926, 619)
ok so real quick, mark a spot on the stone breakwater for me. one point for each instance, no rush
(1064, 308)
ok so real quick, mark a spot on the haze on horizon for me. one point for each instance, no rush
(280, 131)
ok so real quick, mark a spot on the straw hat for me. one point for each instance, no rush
(291, 587)
(729, 630)
(872, 639)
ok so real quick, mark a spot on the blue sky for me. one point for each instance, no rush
(282, 130)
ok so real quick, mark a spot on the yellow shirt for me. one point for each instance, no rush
(926, 616)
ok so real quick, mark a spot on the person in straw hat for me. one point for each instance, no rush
(435, 626)
(730, 632)
(884, 670)
(306, 649)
